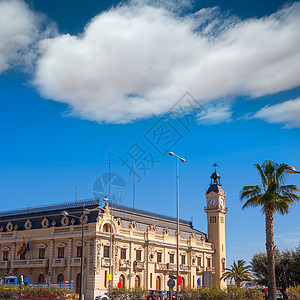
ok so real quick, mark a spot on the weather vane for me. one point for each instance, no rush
(215, 165)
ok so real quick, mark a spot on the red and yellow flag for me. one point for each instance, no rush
(23, 248)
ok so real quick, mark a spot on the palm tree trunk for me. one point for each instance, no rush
(270, 254)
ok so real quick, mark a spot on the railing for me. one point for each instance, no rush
(124, 264)
(4, 264)
(105, 262)
(215, 208)
(58, 262)
(76, 261)
(139, 264)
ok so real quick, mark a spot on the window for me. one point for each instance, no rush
(41, 253)
(172, 258)
(106, 227)
(208, 262)
(123, 253)
(79, 251)
(122, 280)
(137, 282)
(61, 252)
(105, 279)
(106, 251)
(159, 257)
(223, 265)
(138, 255)
(183, 259)
(151, 280)
(199, 261)
(60, 278)
(213, 219)
(5, 255)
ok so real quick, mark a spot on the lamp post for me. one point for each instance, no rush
(177, 194)
(291, 170)
(85, 211)
(110, 248)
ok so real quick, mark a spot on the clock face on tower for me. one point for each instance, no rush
(222, 202)
(212, 201)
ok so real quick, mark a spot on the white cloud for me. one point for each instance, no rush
(136, 60)
(215, 113)
(287, 113)
(20, 30)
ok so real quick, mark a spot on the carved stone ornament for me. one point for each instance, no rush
(91, 256)
(193, 236)
(9, 226)
(98, 257)
(45, 223)
(28, 224)
(106, 208)
(1, 229)
(53, 223)
(16, 227)
(119, 222)
(64, 221)
(132, 225)
(166, 231)
(85, 219)
(151, 253)
(72, 221)
(151, 228)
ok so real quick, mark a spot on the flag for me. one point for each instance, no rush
(23, 248)
(28, 247)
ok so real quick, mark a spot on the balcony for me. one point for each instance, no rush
(21, 263)
(124, 264)
(161, 266)
(76, 261)
(59, 262)
(139, 265)
(105, 262)
(184, 268)
(4, 264)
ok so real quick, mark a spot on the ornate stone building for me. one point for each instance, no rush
(143, 245)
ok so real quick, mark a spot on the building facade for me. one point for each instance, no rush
(140, 247)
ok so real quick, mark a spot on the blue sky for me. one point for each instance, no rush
(78, 81)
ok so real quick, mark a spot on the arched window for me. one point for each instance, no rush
(78, 279)
(60, 277)
(158, 283)
(106, 227)
(137, 282)
(41, 278)
(122, 281)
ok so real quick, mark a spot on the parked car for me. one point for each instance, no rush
(161, 295)
(102, 297)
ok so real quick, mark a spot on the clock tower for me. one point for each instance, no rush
(215, 209)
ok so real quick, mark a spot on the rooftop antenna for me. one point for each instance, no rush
(109, 167)
(133, 183)
(76, 195)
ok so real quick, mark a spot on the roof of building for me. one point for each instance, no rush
(53, 213)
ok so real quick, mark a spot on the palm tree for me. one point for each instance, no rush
(273, 196)
(239, 272)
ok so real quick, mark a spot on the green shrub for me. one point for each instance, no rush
(293, 292)
(231, 293)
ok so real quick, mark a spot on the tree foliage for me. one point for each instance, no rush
(238, 272)
(272, 196)
(287, 268)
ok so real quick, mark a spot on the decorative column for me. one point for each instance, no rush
(69, 258)
(12, 259)
(131, 266)
(51, 260)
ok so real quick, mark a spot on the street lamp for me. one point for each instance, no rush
(110, 248)
(291, 170)
(177, 179)
(85, 211)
